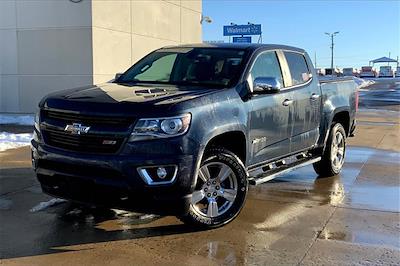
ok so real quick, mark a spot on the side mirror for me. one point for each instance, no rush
(266, 85)
(118, 75)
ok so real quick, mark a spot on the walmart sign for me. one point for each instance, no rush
(252, 29)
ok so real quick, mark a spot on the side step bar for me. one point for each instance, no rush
(271, 174)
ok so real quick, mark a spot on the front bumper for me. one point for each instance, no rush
(113, 180)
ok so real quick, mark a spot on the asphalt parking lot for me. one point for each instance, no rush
(296, 219)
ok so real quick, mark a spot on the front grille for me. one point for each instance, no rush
(106, 135)
(87, 119)
(81, 143)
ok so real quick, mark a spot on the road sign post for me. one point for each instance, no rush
(242, 39)
(241, 30)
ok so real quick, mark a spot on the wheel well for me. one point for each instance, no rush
(234, 141)
(344, 119)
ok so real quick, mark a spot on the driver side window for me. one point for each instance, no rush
(267, 65)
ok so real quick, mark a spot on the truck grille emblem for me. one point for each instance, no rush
(76, 129)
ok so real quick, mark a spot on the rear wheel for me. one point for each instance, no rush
(220, 191)
(333, 157)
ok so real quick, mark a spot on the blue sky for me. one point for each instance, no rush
(368, 29)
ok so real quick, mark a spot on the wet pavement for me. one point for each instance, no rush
(296, 219)
(384, 94)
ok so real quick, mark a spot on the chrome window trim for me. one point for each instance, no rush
(299, 85)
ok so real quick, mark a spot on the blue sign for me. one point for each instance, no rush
(242, 39)
(252, 29)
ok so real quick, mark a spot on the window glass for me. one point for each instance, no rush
(298, 68)
(159, 70)
(267, 65)
(188, 66)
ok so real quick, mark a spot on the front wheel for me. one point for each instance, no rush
(333, 157)
(220, 191)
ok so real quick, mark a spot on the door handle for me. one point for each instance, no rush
(287, 102)
(314, 97)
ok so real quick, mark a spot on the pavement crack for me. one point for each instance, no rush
(317, 236)
(16, 191)
(365, 209)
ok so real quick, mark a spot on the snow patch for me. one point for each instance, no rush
(12, 140)
(148, 216)
(136, 215)
(47, 204)
(362, 83)
(15, 119)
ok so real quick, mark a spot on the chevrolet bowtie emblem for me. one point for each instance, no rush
(76, 129)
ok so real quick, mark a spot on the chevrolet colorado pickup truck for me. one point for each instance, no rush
(187, 129)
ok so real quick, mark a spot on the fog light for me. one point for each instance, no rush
(161, 172)
(158, 175)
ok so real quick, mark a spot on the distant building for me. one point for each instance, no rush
(216, 41)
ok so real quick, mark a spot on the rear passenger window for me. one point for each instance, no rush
(267, 65)
(298, 68)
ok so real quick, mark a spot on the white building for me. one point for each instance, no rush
(49, 45)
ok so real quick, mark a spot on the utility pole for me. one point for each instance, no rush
(332, 35)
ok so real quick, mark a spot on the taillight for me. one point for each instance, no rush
(357, 98)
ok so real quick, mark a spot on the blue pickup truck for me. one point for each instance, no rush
(187, 129)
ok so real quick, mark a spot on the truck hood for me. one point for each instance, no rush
(122, 98)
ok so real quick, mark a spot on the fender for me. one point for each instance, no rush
(327, 122)
(232, 127)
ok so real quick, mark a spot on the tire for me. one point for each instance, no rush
(220, 192)
(334, 153)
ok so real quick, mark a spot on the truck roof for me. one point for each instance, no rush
(247, 46)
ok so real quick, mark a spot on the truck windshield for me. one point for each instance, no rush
(188, 66)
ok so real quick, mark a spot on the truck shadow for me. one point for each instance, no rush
(66, 226)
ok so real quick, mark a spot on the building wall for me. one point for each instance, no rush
(134, 28)
(49, 45)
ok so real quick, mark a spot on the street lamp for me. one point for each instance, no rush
(332, 35)
(206, 19)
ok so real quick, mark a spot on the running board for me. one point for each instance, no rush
(271, 174)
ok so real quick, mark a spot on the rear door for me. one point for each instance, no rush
(269, 118)
(306, 106)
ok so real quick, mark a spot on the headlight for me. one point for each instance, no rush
(37, 120)
(154, 128)
(36, 131)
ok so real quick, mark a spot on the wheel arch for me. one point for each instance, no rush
(224, 139)
(234, 141)
(340, 115)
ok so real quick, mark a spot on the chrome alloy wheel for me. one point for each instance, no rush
(338, 150)
(215, 191)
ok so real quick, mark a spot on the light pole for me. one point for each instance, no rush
(332, 35)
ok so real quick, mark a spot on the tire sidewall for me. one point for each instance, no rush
(336, 128)
(238, 168)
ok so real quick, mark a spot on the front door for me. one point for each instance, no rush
(269, 121)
